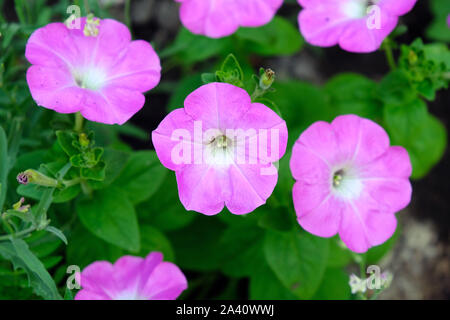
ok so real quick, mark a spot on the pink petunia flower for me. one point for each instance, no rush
(220, 18)
(92, 68)
(132, 278)
(221, 147)
(349, 181)
(356, 25)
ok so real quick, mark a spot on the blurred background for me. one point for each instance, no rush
(420, 259)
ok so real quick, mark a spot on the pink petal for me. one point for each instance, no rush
(317, 211)
(320, 139)
(139, 68)
(127, 273)
(52, 46)
(360, 140)
(357, 37)
(214, 19)
(217, 105)
(308, 167)
(255, 13)
(363, 225)
(166, 282)
(54, 88)
(323, 25)
(250, 186)
(165, 145)
(397, 7)
(111, 105)
(202, 188)
(266, 125)
(98, 277)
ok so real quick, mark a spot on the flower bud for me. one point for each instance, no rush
(267, 79)
(35, 177)
(18, 206)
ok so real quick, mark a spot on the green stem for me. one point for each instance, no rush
(127, 14)
(389, 55)
(18, 234)
(79, 123)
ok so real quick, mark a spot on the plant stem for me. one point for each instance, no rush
(127, 14)
(18, 234)
(79, 122)
(389, 55)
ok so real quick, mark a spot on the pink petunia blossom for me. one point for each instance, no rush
(222, 148)
(132, 278)
(349, 181)
(356, 25)
(220, 18)
(93, 69)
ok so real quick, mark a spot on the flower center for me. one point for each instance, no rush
(89, 78)
(346, 183)
(220, 150)
(357, 8)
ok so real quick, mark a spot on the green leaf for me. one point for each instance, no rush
(110, 216)
(439, 30)
(197, 246)
(231, 72)
(164, 210)
(334, 286)
(3, 167)
(190, 48)
(241, 246)
(395, 88)
(298, 259)
(279, 37)
(338, 256)
(351, 93)
(19, 254)
(85, 248)
(264, 284)
(411, 126)
(96, 173)
(183, 89)
(65, 140)
(142, 176)
(154, 240)
(208, 77)
(57, 233)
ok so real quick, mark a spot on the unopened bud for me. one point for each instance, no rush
(35, 177)
(18, 206)
(83, 140)
(267, 79)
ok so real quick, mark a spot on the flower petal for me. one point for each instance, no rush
(363, 225)
(398, 7)
(98, 277)
(308, 167)
(250, 186)
(359, 140)
(217, 105)
(85, 294)
(317, 211)
(255, 13)
(202, 188)
(166, 282)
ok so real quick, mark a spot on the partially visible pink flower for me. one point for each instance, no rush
(220, 18)
(349, 181)
(356, 25)
(221, 147)
(132, 278)
(100, 75)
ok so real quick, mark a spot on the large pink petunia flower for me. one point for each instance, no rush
(356, 25)
(349, 181)
(220, 18)
(102, 76)
(132, 278)
(221, 147)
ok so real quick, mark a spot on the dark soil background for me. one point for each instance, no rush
(420, 260)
